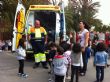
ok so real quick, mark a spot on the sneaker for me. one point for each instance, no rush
(50, 80)
(24, 75)
(82, 74)
(68, 77)
(19, 74)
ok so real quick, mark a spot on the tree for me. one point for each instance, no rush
(69, 18)
(72, 16)
(7, 13)
(98, 24)
(88, 10)
(84, 10)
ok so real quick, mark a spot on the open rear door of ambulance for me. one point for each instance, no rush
(18, 27)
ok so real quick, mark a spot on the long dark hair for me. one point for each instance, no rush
(76, 48)
(86, 25)
(21, 43)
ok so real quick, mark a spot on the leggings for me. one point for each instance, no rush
(21, 66)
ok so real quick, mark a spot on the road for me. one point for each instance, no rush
(9, 69)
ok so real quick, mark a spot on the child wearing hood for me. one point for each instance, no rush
(60, 65)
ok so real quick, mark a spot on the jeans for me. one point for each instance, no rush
(84, 69)
(99, 73)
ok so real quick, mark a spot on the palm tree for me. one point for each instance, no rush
(72, 15)
(84, 10)
(69, 18)
(88, 9)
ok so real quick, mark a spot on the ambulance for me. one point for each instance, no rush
(52, 18)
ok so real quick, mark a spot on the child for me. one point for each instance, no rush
(52, 52)
(100, 61)
(76, 61)
(21, 57)
(67, 54)
(60, 63)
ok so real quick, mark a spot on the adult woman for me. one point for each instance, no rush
(84, 41)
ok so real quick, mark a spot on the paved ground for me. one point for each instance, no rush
(9, 68)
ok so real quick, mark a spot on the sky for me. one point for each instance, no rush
(65, 2)
(104, 11)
